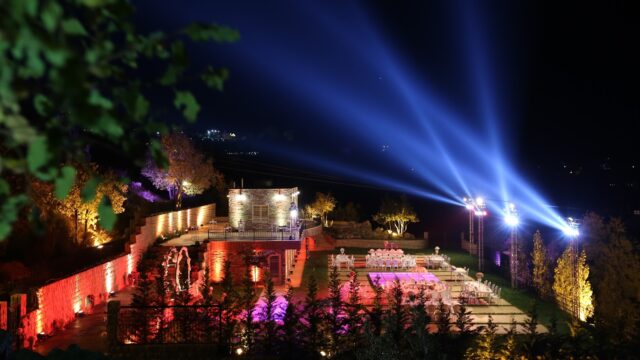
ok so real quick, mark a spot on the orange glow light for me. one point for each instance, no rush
(255, 273)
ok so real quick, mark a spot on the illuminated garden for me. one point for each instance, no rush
(311, 180)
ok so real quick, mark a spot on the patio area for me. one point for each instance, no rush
(456, 284)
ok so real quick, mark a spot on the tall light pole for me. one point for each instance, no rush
(512, 220)
(470, 205)
(571, 230)
(480, 212)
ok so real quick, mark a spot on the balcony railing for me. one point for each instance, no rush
(253, 235)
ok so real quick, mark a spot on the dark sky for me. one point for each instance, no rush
(564, 76)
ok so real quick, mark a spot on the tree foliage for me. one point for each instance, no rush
(615, 264)
(71, 80)
(563, 284)
(541, 267)
(396, 213)
(187, 172)
(81, 207)
(321, 207)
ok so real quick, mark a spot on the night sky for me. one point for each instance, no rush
(563, 79)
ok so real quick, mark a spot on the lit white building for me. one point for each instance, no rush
(262, 209)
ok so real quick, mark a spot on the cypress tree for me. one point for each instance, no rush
(335, 314)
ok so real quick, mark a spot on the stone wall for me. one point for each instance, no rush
(60, 300)
(243, 202)
(169, 222)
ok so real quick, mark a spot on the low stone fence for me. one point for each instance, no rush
(314, 231)
(379, 244)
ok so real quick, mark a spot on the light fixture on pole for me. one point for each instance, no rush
(293, 217)
(470, 206)
(480, 212)
(572, 232)
(512, 220)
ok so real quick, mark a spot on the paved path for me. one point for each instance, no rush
(88, 332)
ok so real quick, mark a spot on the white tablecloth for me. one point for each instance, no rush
(481, 289)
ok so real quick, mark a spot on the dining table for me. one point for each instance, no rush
(482, 291)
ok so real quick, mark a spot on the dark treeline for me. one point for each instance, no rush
(340, 327)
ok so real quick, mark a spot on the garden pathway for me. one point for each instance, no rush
(88, 332)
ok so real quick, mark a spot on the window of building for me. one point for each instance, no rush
(261, 213)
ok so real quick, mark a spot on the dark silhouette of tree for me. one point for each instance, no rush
(247, 301)
(354, 313)
(335, 312)
(312, 316)
(419, 338)
(290, 331)
(268, 323)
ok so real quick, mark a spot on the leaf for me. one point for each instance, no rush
(73, 26)
(42, 104)
(95, 3)
(109, 125)
(207, 32)
(141, 107)
(95, 98)
(215, 78)
(107, 216)
(31, 6)
(9, 210)
(20, 129)
(88, 191)
(57, 57)
(64, 182)
(179, 63)
(50, 15)
(37, 153)
(186, 102)
(4, 186)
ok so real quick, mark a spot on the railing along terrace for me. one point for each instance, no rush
(193, 324)
(252, 235)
